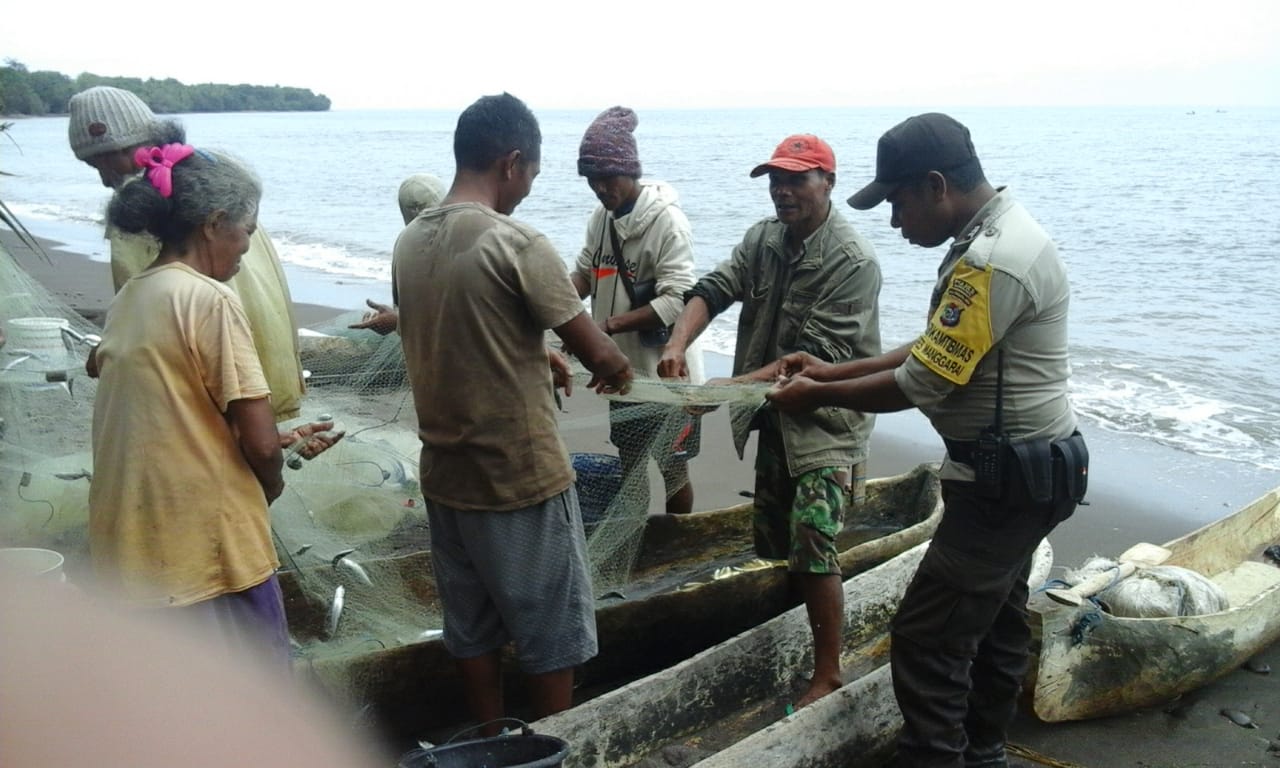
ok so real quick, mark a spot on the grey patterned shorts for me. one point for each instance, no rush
(518, 576)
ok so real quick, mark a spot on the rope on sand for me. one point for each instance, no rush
(1030, 754)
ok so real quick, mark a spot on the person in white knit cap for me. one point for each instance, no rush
(106, 126)
(418, 193)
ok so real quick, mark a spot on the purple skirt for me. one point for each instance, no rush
(252, 620)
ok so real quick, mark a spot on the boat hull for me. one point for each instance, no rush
(412, 690)
(728, 701)
(1092, 664)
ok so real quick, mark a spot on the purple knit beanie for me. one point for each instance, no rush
(609, 146)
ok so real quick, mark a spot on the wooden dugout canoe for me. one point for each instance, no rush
(1093, 664)
(727, 704)
(672, 608)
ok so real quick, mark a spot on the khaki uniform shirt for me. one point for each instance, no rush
(477, 291)
(176, 515)
(824, 301)
(1001, 286)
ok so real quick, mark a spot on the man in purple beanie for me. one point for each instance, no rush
(636, 265)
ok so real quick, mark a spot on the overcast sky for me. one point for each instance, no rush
(677, 53)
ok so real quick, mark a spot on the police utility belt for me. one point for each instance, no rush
(1052, 470)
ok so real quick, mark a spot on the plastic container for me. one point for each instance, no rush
(31, 562)
(39, 336)
(522, 750)
(599, 480)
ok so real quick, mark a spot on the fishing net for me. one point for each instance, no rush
(362, 495)
(46, 413)
(350, 528)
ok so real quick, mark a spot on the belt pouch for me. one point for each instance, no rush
(1036, 464)
(1071, 463)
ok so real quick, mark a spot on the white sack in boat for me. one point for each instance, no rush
(1162, 590)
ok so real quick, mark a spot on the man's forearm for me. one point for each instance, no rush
(873, 393)
(854, 369)
(639, 319)
(692, 322)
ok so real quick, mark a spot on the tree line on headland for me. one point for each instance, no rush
(23, 92)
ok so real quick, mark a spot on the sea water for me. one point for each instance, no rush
(1168, 220)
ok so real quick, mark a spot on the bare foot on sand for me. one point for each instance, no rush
(817, 689)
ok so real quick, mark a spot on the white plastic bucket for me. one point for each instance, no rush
(40, 336)
(31, 562)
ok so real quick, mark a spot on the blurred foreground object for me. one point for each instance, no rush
(76, 676)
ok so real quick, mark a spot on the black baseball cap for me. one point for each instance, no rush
(929, 142)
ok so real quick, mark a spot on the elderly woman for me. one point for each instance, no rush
(186, 452)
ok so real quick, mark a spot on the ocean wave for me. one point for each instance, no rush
(331, 259)
(1132, 399)
(52, 212)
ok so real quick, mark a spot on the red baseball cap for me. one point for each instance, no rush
(797, 154)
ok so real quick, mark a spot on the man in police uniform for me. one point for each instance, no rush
(990, 371)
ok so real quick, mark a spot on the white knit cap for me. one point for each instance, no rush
(419, 192)
(104, 119)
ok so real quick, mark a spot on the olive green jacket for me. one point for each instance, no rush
(824, 301)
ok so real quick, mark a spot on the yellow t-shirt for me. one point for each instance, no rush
(176, 515)
(264, 294)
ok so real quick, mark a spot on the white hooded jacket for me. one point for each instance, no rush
(657, 244)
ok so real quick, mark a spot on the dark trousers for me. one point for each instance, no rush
(960, 637)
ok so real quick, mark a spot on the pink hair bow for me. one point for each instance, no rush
(159, 162)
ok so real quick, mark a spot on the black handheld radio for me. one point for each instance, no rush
(992, 448)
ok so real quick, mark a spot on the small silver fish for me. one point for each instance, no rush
(335, 609)
(339, 556)
(355, 569)
(430, 634)
(302, 550)
(1238, 717)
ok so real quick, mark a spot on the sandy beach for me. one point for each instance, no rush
(1139, 491)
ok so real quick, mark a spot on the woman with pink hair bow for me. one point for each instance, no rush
(186, 453)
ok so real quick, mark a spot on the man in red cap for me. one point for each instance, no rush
(808, 283)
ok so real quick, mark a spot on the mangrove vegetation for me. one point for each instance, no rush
(23, 92)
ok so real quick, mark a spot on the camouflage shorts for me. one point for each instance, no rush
(797, 519)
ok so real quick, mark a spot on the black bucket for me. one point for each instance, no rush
(522, 750)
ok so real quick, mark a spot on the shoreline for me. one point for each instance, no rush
(1139, 491)
(83, 283)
